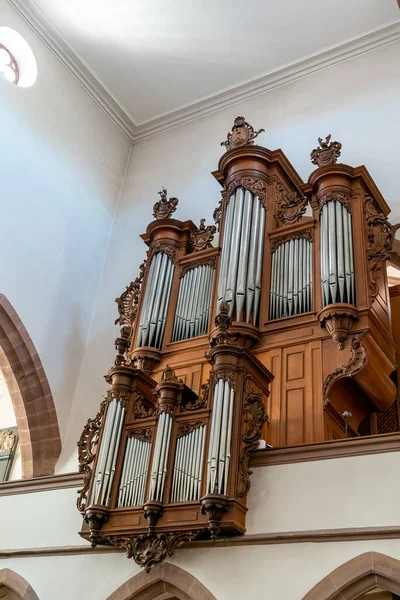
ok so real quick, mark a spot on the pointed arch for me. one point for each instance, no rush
(31, 396)
(164, 582)
(359, 576)
(10, 581)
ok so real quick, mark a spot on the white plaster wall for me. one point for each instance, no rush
(62, 163)
(357, 101)
(274, 572)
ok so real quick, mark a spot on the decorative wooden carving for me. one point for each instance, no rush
(217, 214)
(87, 445)
(242, 134)
(255, 185)
(290, 207)
(201, 401)
(200, 262)
(120, 395)
(214, 506)
(379, 235)
(254, 417)
(202, 238)
(344, 199)
(186, 427)
(140, 411)
(164, 208)
(296, 235)
(129, 300)
(146, 435)
(356, 362)
(162, 246)
(338, 321)
(327, 153)
(150, 549)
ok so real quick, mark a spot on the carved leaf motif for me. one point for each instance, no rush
(188, 426)
(217, 214)
(242, 133)
(254, 418)
(341, 197)
(164, 208)
(140, 410)
(121, 395)
(226, 375)
(201, 402)
(149, 549)
(356, 362)
(380, 236)
(168, 249)
(297, 235)
(202, 262)
(145, 435)
(257, 186)
(87, 445)
(291, 207)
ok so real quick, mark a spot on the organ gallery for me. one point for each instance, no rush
(269, 328)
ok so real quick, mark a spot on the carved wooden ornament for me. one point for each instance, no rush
(202, 238)
(164, 208)
(242, 133)
(327, 152)
(290, 207)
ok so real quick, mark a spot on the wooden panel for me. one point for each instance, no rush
(295, 366)
(295, 410)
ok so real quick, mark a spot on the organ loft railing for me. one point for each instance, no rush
(287, 316)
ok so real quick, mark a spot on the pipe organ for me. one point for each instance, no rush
(273, 332)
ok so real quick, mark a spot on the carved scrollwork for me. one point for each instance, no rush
(128, 301)
(380, 234)
(145, 435)
(217, 214)
(201, 262)
(121, 395)
(140, 411)
(201, 401)
(86, 454)
(290, 207)
(186, 427)
(327, 153)
(254, 417)
(161, 246)
(150, 549)
(297, 235)
(169, 375)
(226, 375)
(357, 360)
(242, 133)
(341, 197)
(164, 208)
(202, 238)
(257, 186)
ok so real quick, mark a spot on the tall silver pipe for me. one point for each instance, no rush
(340, 249)
(103, 467)
(260, 250)
(162, 317)
(252, 264)
(223, 437)
(103, 449)
(149, 297)
(272, 294)
(213, 443)
(122, 483)
(226, 246)
(352, 280)
(244, 254)
(228, 439)
(234, 249)
(140, 449)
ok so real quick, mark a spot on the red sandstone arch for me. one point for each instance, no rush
(164, 582)
(30, 393)
(15, 586)
(359, 576)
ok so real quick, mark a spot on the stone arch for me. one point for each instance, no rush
(359, 576)
(31, 396)
(164, 582)
(15, 587)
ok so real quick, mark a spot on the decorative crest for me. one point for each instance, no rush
(290, 207)
(164, 208)
(202, 238)
(223, 320)
(169, 375)
(242, 133)
(327, 153)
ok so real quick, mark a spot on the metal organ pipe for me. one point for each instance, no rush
(193, 305)
(242, 251)
(134, 472)
(160, 457)
(337, 260)
(105, 469)
(188, 464)
(220, 438)
(291, 279)
(155, 302)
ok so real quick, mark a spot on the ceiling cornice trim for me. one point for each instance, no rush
(48, 33)
(99, 92)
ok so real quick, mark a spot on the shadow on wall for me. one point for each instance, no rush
(30, 394)
(17, 586)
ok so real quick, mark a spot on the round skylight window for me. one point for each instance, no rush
(17, 61)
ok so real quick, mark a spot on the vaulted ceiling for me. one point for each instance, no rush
(154, 57)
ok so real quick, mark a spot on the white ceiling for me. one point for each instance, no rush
(156, 56)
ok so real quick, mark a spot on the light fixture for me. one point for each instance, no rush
(8, 65)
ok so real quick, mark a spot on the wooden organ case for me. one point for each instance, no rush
(274, 334)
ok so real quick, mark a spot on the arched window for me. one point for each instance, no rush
(17, 61)
(26, 381)
(14, 586)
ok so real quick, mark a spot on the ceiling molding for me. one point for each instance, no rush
(48, 33)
